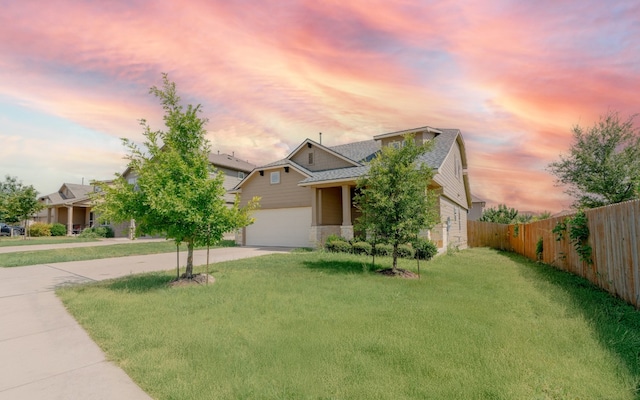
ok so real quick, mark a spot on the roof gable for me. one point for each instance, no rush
(230, 162)
(309, 144)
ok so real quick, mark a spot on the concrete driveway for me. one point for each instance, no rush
(44, 353)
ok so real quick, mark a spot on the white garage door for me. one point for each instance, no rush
(287, 227)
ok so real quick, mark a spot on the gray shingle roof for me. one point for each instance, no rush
(78, 193)
(365, 151)
(336, 174)
(441, 147)
(358, 151)
(231, 162)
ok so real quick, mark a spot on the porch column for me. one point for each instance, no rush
(48, 215)
(315, 236)
(69, 220)
(314, 206)
(346, 230)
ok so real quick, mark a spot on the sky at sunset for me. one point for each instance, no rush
(514, 76)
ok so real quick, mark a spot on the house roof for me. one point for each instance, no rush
(360, 153)
(75, 193)
(231, 162)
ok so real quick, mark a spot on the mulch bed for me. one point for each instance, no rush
(401, 273)
(197, 279)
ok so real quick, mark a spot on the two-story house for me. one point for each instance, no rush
(309, 194)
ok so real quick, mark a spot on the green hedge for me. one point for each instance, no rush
(425, 249)
(362, 248)
(58, 229)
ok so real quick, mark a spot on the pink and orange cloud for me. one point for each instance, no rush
(513, 76)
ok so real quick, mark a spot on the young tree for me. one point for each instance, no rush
(393, 197)
(603, 164)
(500, 215)
(176, 192)
(18, 202)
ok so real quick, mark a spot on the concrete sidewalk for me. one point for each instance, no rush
(44, 353)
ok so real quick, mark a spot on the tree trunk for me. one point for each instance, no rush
(177, 261)
(395, 259)
(189, 272)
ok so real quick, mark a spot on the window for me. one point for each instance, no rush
(310, 158)
(241, 175)
(395, 144)
(275, 177)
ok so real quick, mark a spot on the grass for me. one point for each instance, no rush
(22, 258)
(479, 325)
(21, 241)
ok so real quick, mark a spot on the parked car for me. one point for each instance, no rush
(5, 230)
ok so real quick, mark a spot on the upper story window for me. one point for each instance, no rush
(396, 144)
(241, 175)
(310, 158)
(275, 177)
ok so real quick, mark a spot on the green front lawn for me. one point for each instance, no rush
(30, 241)
(33, 257)
(479, 325)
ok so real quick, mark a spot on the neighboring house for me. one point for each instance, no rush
(72, 207)
(233, 168)
(309, 194)
(69, 206)
(477, 208)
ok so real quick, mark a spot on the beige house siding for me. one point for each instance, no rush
(322, 160)
(231, 173)
(455, 216)
(285, 194)
(451, 179)
(330, 200)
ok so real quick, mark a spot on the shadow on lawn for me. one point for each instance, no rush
(340, 267)
(141, 283)
(616, 323)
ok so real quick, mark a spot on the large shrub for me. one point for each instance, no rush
(57, 229)
(97, 232)
(362, 248)
(405, 251)
(38, 229)
(425, 249)
(88, 233)
(104, 231)
(338, 246)
(383, 249)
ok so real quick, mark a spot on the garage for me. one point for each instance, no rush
(288, 227)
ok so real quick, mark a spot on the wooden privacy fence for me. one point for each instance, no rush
(613, 237)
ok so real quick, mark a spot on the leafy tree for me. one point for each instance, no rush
(18, 202)
(500, 215)
(543, 215)
(176, 193)
(603, 164)
(393, 196)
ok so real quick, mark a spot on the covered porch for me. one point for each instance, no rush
(75, 217)
(332, 211)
